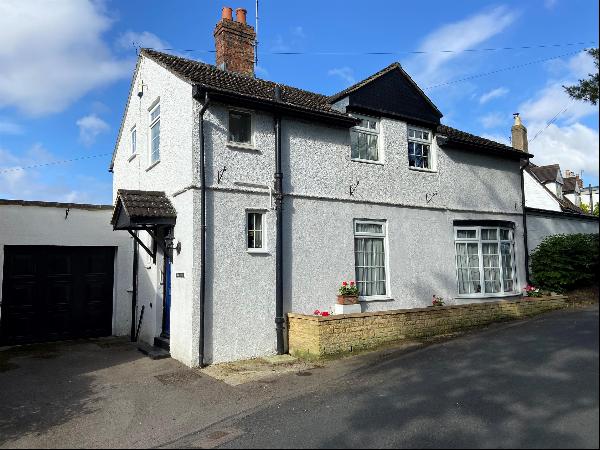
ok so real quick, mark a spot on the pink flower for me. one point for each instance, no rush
(324, 314)
(317, 312)
(352, 283)
(344, 284)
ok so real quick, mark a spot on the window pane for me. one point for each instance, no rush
(466, 234)
(133, 141)
(239, 127)
(489, 234)
(507, 266)
(255, 231)
(467, 261)
(491, 268)
(354, 144)
(372, 228)
(504, 235)
(155, 113)
(372, 153)
(155, 142)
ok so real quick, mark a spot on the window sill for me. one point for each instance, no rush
(366, 161)
(151, 166)
(132, 157)
(240, 146)
(258, 252)
(378, 298)
(485, 296)
(418, 169)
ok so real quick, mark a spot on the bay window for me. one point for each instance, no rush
(370, 258)
(485, 261)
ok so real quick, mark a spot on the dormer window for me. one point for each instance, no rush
(419, 148)
(364, 140)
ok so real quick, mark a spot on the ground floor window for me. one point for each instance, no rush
(255, 230)
(370, 257)
(485, 260)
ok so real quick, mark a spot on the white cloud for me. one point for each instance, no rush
(90, 127)
(52, 53)
(9, 127)
(494, 93)
(131, 39)
(573, 146)
(458, 36)
(345, 73)
(494, 119)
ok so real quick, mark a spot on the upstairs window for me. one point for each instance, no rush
(364, 140)
(240, 127)
(133, 141)
(155, 134)
(419, 148)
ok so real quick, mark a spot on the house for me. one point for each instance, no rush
(590, 196)
(64, 273)
(551, 200)
(249, 199)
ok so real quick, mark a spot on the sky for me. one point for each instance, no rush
(66, 67)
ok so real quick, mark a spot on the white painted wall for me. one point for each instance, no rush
(539, 226)
(84, 226)
(536, 196)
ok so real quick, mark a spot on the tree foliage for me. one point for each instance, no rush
(565, 261)
(587, 90)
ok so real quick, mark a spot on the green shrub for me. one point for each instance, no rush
(565, 261)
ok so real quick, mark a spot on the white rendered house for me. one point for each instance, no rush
(264, 198)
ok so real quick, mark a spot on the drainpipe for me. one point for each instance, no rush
(525, 241)
(134, 288)
(279, 319)
(202, 232)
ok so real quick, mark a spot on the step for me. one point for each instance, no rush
(162, 342)
(153, 352)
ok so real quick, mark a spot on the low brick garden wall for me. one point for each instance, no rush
(318, 336)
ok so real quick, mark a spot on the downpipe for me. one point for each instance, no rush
(202, 234)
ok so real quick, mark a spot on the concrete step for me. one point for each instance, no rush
(162, 342)
(153, 352)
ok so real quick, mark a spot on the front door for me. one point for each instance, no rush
(167, 303)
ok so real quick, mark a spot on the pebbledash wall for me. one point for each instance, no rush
(541, 224)
(46, 223)
(318, 235)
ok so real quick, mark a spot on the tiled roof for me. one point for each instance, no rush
(208, 75)
(569, 185)
(141, 205)
(546, 173)
(566, 205)
(461, 137)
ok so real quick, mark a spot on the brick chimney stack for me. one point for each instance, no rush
(519, 135)
(234, 42)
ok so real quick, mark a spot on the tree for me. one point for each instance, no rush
(587, 90)
(586, 208)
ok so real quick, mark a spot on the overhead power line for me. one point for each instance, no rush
(551, 121)
(378, 53)
(53, 163)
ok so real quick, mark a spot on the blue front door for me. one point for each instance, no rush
(167, 305)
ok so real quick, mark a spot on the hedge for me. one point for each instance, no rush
(565, 261)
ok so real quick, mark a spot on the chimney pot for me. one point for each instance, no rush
(240, 15)
(227, 13)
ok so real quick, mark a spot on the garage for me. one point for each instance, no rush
(53, 293)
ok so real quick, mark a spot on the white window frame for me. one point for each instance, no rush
(478, 239)
(152, 123)
(384, 235)
(432, 158)
(377, 132)
(133, 135)
(242, 145)
(264, 249)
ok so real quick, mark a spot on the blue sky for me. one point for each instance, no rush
(67, 65)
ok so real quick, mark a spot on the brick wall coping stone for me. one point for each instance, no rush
(431, 309)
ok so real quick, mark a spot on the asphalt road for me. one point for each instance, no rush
(530, 384)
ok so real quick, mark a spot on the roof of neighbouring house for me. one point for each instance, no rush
(565, 204)
(547, 173)
(570, 185)
(145, 207)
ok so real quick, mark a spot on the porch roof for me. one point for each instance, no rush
(137, 210)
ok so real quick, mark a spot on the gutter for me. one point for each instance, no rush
(523, 208)
(202, 233)
(279, 319)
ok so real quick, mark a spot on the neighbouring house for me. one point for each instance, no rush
(589, 196)
(64, 273)
(249, 199)
(551, 200)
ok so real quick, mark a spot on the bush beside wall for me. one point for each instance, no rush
(324, 336)
(565, 261)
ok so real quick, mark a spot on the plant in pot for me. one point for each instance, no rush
(348, 294)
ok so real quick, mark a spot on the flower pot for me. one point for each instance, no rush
(347, 299)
